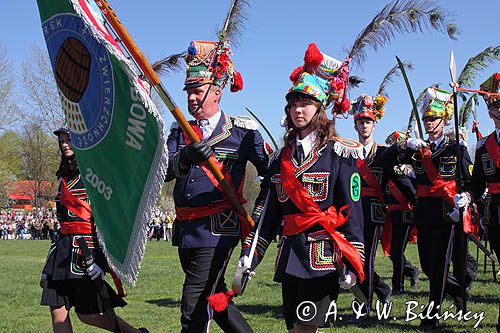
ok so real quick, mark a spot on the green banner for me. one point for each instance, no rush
(116, 131)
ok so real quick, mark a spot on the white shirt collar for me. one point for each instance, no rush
(368, 148)
(438, 141)
(307, 142)
(212, 124)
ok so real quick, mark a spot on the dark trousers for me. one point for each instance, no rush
(204, 269)
(400, 266)
(435, 247)
(372, 283)
(494, 238)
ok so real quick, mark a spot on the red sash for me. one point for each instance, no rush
(77, 206)
(493, 188)
(311, 214)
(76, 228)
(493, 149)
(374, 190)
(192, 213)
(441, 188)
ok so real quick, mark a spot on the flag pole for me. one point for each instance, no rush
(462, 246)
(153, 78)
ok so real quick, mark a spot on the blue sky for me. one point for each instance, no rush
(273, 43)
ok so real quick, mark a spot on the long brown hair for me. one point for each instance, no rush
(325, 128)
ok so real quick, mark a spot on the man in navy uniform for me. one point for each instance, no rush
(486, 171)
(436, 211)
(374, 177)
(400, 194)
(207, 227)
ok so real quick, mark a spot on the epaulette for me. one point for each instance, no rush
(347, 148)
(245, 122)
(481, 142)
(174, 126)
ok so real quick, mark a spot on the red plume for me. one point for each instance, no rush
(340, 108)
(295, 74)
(237, 83)
(313, 57)
(218, 302)
(346, 105)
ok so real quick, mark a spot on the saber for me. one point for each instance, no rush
(412, 97)
(355, 290)
(483, 248)
(150, 74)
(461, 235)
(242, 277)
(264, 127)
(101, 287)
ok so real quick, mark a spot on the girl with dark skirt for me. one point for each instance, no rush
(66, 280)
(313, 198)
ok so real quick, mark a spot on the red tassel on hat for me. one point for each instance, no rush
(346, 105)
(313, 57)
(237, 83)
(296, 74)
(218, 302)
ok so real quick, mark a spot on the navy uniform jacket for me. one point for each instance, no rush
(406, 186)
(76, 187)
(234, 142)
(432, 211)
(374, 211)
(485, 171)
(328, 178)
(65, 261)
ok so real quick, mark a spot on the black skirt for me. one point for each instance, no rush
(81, 294)
(67, 282)
(65, 260)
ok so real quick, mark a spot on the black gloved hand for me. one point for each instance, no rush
(194, 153)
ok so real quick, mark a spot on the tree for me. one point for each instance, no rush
(43, 103)
(40, 159)
(10, 162)
(8, 109)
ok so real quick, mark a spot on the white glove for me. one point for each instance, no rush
(416, 144)
(454, 214)
(461, 200)
(349, 282)
(244, 262)
(94, 271)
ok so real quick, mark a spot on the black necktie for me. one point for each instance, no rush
(433, 146)
(300, 154)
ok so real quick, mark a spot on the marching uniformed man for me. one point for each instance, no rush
(207, 228)
(436, 211)
(374, 177)
(315, 191)
(486, 171)
(400, 195)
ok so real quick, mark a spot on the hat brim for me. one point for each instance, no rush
(194, 85)
(59, 131)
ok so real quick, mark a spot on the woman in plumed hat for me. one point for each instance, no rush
(314, 190)
(67, 281)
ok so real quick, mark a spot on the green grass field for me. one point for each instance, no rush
(155, 301)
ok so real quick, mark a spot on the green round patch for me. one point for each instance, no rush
(355, 187)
